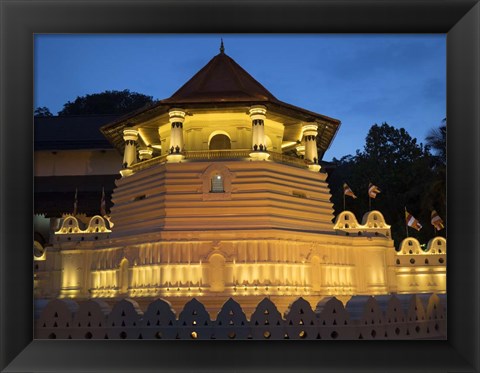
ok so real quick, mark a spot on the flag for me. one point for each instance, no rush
(373, 190)
(437, 221)
(347, 191)
(103, 210)
(412, 222)
(75, 203)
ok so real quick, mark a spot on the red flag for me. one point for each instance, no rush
(347, 191)
(437, 221)
(373, 190)
(412, 222)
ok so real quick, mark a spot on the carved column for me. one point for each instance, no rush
(175, 151)
(130, 136)
(310, 138)
(258, 115)
(145, 153)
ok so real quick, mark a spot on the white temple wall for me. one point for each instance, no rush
(293, 264)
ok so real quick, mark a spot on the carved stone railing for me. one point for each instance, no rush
(198, 155)
(285, 159)
(217, 154)
(149, 163)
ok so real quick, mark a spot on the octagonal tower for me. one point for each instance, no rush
(222, 195)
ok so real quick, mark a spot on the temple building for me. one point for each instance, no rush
(219, 193)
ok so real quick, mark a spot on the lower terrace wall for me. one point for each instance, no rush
(403, 316)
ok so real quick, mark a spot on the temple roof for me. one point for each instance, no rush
(223, 83)
(221, 80)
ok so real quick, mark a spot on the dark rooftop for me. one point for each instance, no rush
(71, 132)
(221, 80)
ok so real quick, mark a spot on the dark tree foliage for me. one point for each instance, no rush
(437, 142)
(108, 102)
(404, 171)
(42, 111)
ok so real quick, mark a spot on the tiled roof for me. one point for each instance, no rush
(221, 80)
(71, 132)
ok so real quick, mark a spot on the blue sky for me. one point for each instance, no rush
(359, 79)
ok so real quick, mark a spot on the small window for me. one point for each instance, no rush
(410, 243)
(217, 184)
(346, 217)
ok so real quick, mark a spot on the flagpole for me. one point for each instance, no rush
(406, 223)
(343, 200)
(75, 203)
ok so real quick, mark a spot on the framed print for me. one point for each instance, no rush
(21, 352)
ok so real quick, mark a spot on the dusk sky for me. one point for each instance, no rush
(359, 79)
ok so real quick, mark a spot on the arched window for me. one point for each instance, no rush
(219, 142)
(217, 183)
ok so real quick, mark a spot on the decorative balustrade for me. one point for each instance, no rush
(217, 154)
(418, 316)
(149, 163)
(197, 155)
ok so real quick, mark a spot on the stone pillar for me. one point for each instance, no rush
(130, 137)
(175, 151)
(300, 149)
(145, 153)
(310, 138)
(258, 115)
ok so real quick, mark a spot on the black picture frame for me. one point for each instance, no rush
(459, 19)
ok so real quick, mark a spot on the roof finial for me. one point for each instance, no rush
(222, 48)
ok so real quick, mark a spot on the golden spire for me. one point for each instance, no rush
(222, 48)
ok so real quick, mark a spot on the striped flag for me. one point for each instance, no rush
(103, 210)
(373, 190)
(437, 221)
(75, 202)
(347, 191)
(412, 222)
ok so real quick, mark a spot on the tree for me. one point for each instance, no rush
(108, 102)
(42, 111)
(400, 167)
(437, 141)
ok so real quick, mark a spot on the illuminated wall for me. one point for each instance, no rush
(283, 264)
(229, 263)
(421, 271)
